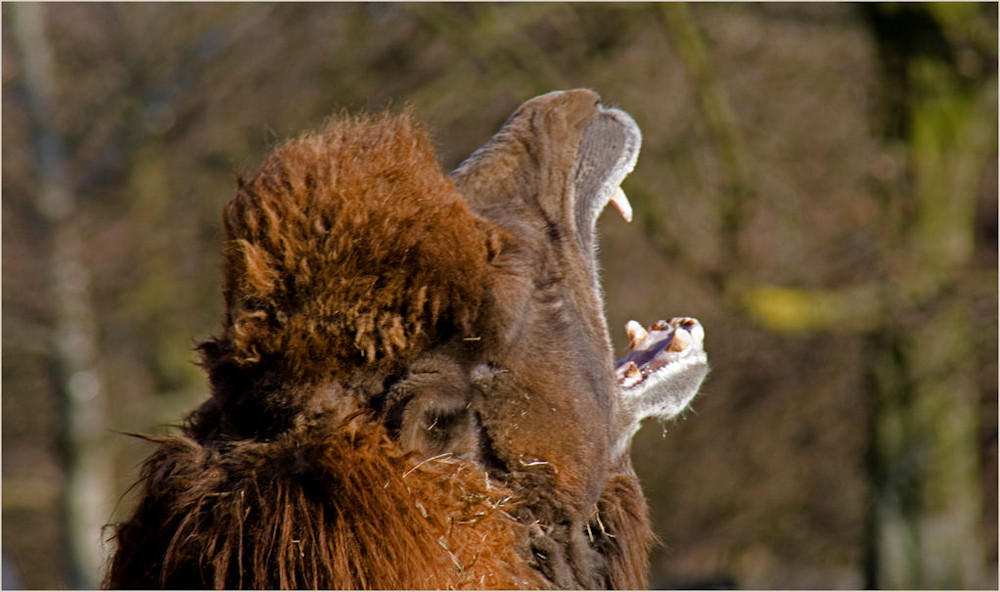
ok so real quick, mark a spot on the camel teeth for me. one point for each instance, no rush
(636, 334)
(680, 341)
(692, 326)
(629, 375)
(621, 202)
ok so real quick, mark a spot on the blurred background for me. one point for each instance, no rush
(818, 185)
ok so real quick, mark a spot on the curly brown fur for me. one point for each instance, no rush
(414, 385)
(329, 257)
(345, 257)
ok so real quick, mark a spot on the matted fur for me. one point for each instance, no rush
(622, 516)
(364, 298)
(328, 259)
(340, 507)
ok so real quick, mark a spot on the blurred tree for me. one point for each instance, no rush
(925, 457)
(76, 354)
(941, 89)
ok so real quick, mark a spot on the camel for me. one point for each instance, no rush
(414, 386)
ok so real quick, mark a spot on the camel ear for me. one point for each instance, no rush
(432, 406)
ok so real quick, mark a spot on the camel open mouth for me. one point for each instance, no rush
(668, 347)
(664, 344)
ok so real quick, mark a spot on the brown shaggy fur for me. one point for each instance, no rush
(329, 265)
(339, 507)
(413, 387)
(622, 518)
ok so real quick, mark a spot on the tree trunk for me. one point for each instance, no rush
(927, 501)
(75, 348)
